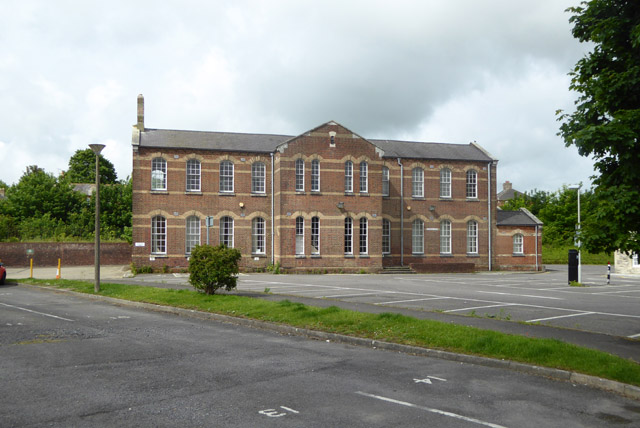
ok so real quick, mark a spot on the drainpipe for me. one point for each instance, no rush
(489, 215)
(536, 248)
(401, 213)
(272, 219)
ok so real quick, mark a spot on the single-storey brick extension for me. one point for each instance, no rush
(327, 200)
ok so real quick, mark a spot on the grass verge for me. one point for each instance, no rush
(388, 327)
(559, 255)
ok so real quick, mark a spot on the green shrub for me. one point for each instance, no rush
(211, 268)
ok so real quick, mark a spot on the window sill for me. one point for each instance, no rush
(365, 194)
(300, 256)
(349, 194)
(473, 199)
(258, 195)
(418, 198)
(316, 256)
(193, 192)
(386, 255)
(349, 256)
(158, 256)
(473, 255)
(159, 192)
(518, 255)
(419, 255)
(316, 193)
(445, 198)
(260, 255)
(226, 194)
(446, 255)
(300, 192)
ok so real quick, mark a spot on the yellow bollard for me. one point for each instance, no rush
(58, 273)
(31, 268)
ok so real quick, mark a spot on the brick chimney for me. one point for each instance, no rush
(140, 124)
(507, 186)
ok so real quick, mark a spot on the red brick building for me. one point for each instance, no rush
(325, 200)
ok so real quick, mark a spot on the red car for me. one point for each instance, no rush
(3, 274)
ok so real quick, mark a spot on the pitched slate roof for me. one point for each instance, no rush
(522, 217)
(267, 143)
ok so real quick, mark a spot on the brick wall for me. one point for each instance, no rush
(507, 260)
(71, 253)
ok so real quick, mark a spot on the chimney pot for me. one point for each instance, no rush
(507, 185)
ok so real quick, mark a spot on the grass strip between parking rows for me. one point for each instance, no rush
(388, 327)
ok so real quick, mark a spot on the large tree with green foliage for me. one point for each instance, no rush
(606, 120)
(82, 168)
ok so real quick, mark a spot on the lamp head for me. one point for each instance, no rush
(97, 148)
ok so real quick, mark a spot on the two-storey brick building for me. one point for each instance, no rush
(325, 200)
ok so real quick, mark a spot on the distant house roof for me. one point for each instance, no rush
(84, 188)
(267, 143)
(508, 192)
(522, 217)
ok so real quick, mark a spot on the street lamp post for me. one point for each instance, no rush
(578, 187)
(97, 148)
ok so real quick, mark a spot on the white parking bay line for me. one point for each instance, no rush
(411, 300)
(350, 295)
(35, 312)
(634, 336)
(562, 316)
(429, 409)
(482, 307)
(521, 295)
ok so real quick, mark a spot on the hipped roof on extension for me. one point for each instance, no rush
(268, 143)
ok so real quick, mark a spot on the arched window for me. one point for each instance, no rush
(159, 235)
(518, 244)
(385, 181)
(472, 237)
(364, 236)
(226, 231)
(348, 235)
(417, 236)
(348, 177)
(364, 180)
(158, 174)
(226, 176)
(192, 233)
(445, 237)
(257, 236)
(445, 183)
(258, 177)
(386, 236)
(417, 183)
(299, 236)
(315, 235)
(193, 175)
(315, 175)
(299, 175)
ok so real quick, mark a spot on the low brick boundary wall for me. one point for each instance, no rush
(71, 253)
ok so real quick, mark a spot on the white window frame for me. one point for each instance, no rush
(348, 236)
(226, 231)
(472, 237)
(417, 236)
(299, 236)
(472, 184)
(299, 175)
(417, 182)
(193, 175)
(445, 183)
(386, 236)
(363, 236)
(364, 177)
(192, 233)
(315, 235)
(226, 176)
(385, 181)
(258, 177)
(315, 175)
(159, 174)
(348, 177)
(258, 236)
(445, 237)
(518, 244)
(158, 235)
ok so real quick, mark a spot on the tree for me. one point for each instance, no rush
(606, 120)
(82, 168)
(211, 268)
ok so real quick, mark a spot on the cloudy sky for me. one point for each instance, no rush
(455, 71)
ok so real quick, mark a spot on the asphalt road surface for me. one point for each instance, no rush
(72, 361)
